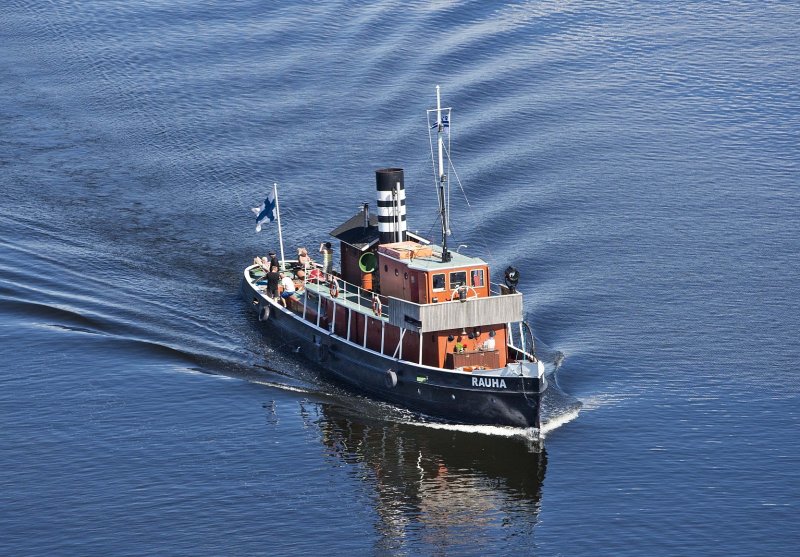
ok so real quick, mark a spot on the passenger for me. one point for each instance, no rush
(264, 262)
(326, 249)
(273, 280)
(273, 260)
(288, 289)
(305, 261)
(489, 344)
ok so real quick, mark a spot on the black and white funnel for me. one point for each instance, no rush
(391, 205)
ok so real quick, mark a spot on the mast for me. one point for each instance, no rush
(278, 218)
(442, 178)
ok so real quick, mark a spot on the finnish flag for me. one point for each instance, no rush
(445, 121)
(265, 213)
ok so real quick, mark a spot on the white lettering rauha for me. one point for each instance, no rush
(491, 382)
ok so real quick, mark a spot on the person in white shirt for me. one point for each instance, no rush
(489, 344)
(288, 289)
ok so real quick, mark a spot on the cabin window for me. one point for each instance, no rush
(477, 277)
(397, 272)
(438, 282)
(459, 278)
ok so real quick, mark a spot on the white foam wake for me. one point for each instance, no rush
(558, 421)
(502, 431)
(283, 386)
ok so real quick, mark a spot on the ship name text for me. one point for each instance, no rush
(491, 382)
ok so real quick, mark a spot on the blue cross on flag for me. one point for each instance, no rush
(265, 213)
(445, 121)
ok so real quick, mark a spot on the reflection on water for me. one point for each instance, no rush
(449, 489)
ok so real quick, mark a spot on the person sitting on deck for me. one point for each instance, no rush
(288, 289)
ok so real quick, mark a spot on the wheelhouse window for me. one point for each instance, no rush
(458, 278)
(477, 277)
(438, 282)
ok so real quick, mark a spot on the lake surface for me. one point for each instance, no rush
(637, 162)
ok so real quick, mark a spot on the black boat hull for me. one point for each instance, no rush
(448, 395)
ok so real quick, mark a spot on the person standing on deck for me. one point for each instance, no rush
(273, 260)
(273, 280)
(327, 257)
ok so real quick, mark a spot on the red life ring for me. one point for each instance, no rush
(334, 288)
(377, 308)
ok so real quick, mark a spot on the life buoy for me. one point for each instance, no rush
(334, 288)
(390, 378)
(377, 308)
(263, 312)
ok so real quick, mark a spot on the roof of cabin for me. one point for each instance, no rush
(428, 258)
(434, 262)
(354, 232)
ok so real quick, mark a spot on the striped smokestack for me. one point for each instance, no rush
(391, 205)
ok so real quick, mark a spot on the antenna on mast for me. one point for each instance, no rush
(440, 125)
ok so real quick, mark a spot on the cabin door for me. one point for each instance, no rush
(414, 288)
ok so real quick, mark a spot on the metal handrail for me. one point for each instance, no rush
(498, 290)
(364, 297)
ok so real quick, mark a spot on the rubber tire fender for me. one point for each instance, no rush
(390, 378)
(264, 312)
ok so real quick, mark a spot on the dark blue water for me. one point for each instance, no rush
(638, 163)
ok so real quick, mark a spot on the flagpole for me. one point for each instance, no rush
(442, 178)
(278, 217)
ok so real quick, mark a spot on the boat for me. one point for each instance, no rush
(406, 320)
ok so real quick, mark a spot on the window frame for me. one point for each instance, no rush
(455, 284)
(433, 282)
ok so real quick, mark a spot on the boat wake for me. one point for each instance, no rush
(558, 421)
(284, 387)
(497, 431)
(502, 431)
